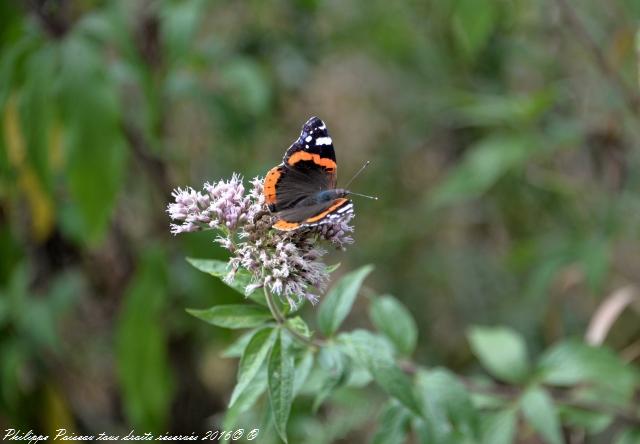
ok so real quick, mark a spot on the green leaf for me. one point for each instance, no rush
(449, 413)
(501, 351)
(572, 362)
(218, 268)
(395, 322)
(392, 424)
(233, 316)
(303, 368)
(591, 422)
(180, 23)
(338, 302)
(141, 347)
(254, 355)
(336, 369)
(214, 267)
(473, 23)
(14, 359)
(499, 427)
(299, 326)
(96, 149)
(367, 349)
(247, 399)
(539, 410)
(485, 163)
(503, 110)
(237, 347)
(396, 383)
(36, 110)
(629, 436)
(247, 82)
(281, 380)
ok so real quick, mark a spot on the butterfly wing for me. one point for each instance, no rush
(312, 215)
(313, 144)
(308, 166)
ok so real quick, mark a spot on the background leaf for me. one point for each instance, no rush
(485, 163)
(499, 427)
(392, 424)
(573, 362)
(336, 305)
(449, 413)
(394, 320)
(502, 352)
(539, 410)
(367, 349)
(96, 154)
(143, 367)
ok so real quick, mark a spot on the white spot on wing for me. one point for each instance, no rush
(308, 139)
(323, 141)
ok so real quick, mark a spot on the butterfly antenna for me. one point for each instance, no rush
(366, 164)
(364, 195)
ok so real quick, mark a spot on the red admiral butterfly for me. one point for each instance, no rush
(302, 191)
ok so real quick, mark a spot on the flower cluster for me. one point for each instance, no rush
(221, 204)
(288, 264)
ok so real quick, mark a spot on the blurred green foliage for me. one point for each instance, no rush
(504, 157)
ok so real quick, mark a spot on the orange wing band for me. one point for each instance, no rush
(296, 157)
(286, 226)
(269, 186)
(331, 209)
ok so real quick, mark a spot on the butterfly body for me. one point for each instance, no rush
(301, 191)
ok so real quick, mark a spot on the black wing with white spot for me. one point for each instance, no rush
(314, 138)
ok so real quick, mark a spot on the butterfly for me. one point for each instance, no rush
(301, 191)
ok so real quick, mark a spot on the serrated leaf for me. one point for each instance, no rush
(254, 355)
(501, 351)
(539, 410)
(281, 380)
(337, 304)
(395, 322)
(498, 427)
(233, 316)
(367, 349)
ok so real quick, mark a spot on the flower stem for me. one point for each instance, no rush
(281, 320)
